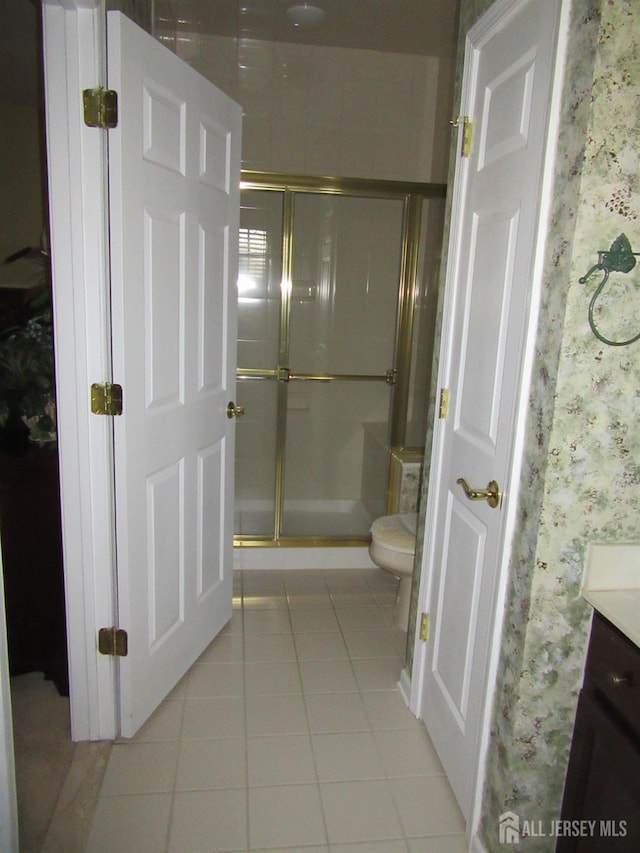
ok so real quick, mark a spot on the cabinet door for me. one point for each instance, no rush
(603, 783)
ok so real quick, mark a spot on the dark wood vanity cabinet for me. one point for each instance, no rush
(603, 779)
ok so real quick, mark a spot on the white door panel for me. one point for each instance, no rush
(174, 164)
(507, 91)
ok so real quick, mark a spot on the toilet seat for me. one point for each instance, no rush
(392, 548)
(396, 532)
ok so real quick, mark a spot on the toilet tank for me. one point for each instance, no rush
(405, 479)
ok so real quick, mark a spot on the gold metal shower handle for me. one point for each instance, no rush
(491, 494)
(234, 411)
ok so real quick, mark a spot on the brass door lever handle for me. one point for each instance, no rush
(491, 494)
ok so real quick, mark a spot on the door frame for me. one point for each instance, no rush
(496, 16)
(74, 59)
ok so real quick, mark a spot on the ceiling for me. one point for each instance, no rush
(399, 26)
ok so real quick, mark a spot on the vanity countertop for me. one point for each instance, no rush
(611, 584)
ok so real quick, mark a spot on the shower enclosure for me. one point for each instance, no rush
(336, 304)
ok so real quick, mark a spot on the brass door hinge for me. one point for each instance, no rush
(467, 134)
(424, 627)
(100, 107)
(113, 641)
(443, 409)
(106, 398)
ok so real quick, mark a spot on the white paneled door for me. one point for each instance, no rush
(509, 76)
(174, 171)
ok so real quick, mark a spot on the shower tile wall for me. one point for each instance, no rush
(331, 111)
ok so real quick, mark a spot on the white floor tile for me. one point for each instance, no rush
(307, 600)
(226, 648)
(360, 811)
(163, 724)
(427, 806)
(276, 715)
(280, 760)
(370, 644)
(270, 647)
(313, 620)
(328, 676)
(272, 678)
(215, 679)
(320, 647)
(215, 763)
(284, 816)
(130, 824)
(371, 847)
(140, 768)
(377, 673)
(209, 821)
(288, 734)
(346, 757)
(386, 710)
(336, 712)
(213, 717)
(439, 844)
(266, 622)
(360, 618)
(407, 753)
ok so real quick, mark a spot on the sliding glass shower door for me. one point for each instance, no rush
(345, 269)
(324, 275)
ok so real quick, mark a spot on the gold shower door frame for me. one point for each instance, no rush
(412, 195)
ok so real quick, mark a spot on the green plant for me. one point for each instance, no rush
(26, 372)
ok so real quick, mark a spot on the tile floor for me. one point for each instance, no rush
(287, 734)
(43, 754)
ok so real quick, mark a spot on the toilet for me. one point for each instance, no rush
(392, 547)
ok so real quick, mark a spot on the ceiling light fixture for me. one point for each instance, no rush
(305, 15)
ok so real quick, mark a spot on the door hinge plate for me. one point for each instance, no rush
(467, 134)
(100, 107)
(113, 641)
(443, 410)
(424, 627)
(391, 376)
(106, 398)
(467, 137)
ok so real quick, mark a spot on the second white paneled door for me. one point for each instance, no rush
(491, 281)
(174, 170)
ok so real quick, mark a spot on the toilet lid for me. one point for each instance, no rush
(396, 532)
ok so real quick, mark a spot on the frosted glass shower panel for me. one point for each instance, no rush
(259, 276)
(334, 473)
(255, 473)
(345, 275)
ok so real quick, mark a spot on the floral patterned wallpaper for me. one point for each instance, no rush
(582, 460)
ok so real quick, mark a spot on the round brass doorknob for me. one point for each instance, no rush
(234, 411)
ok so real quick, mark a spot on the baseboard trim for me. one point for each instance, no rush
(404, 686)
(302, 558)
